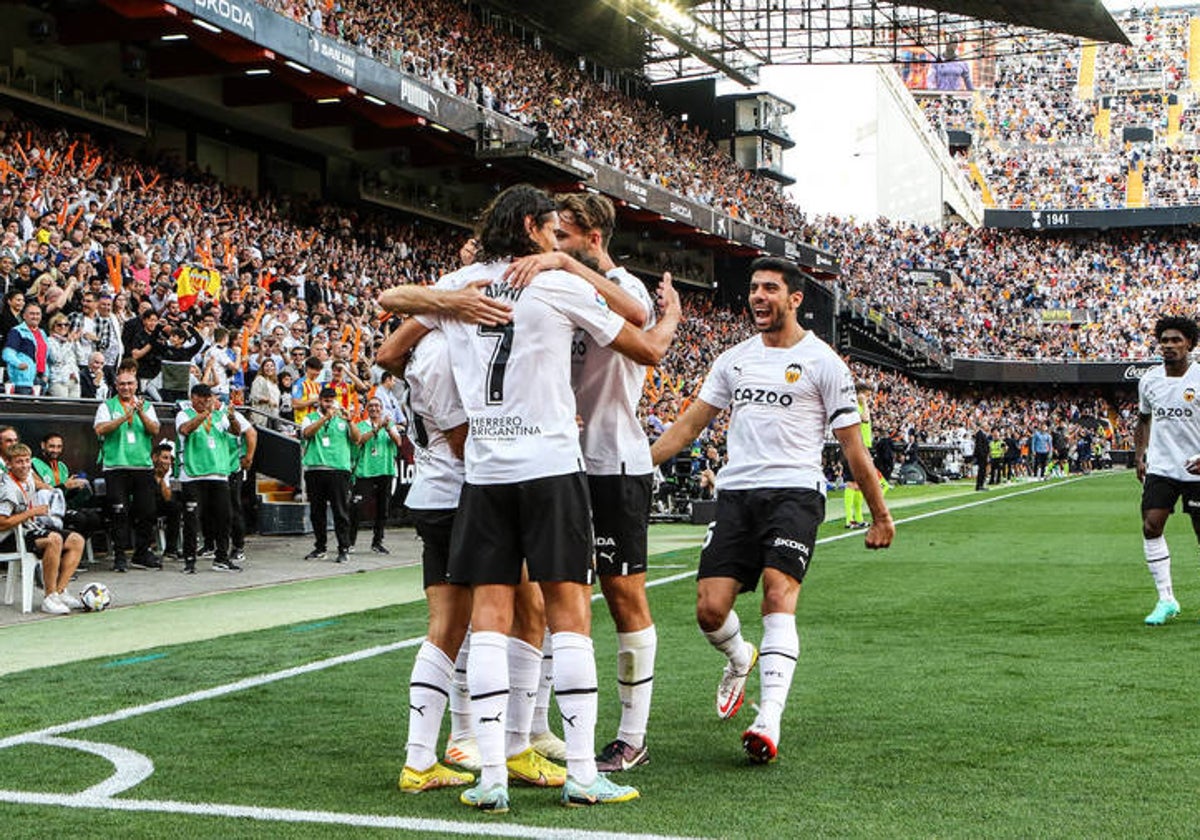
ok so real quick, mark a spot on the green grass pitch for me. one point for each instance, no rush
(988, 676)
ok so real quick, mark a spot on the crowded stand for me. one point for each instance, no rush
(1003, 280)
(1041, 141)
(88, 227)
(445, 43)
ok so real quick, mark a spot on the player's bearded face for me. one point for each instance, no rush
(770, 303)
(573, 239)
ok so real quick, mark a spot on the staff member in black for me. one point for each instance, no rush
(983, 443)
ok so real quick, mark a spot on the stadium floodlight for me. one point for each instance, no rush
(374, 100)
(329, 100)
(258, 71)
(203, 24)
(749, 34)
(439, 127)
(299, 68)
(177, 36)
(700, 40)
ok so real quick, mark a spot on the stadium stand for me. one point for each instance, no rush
(1104, 128)
(524, 79)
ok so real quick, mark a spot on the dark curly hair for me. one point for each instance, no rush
(501, 233)
(1187, 326)
(791, 273)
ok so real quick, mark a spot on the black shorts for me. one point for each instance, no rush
(545, 523)
(434, 528)
(9, 543)
(620, 519)
(758, 528)
(1160, 493)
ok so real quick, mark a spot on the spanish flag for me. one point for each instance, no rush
(192, 281)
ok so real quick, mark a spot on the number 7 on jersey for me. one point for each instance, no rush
(499, 362)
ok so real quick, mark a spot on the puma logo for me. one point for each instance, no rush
(569, 721)
(495, 719)
(418, 709)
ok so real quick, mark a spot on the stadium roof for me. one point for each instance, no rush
(737, 37)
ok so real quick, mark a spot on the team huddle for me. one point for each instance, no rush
(533, 476)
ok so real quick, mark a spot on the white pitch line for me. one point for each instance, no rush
(130, 764)
(1039, 488)
(289, 815)
(132, 768)
(208, 693)
(367, 653)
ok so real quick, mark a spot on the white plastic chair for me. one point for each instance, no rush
(20, 562)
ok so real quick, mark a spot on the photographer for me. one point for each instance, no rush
(329, 439)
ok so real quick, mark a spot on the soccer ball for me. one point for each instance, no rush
(95, 597)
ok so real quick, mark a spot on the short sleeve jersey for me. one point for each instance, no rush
(128, 447)
(204, 454)
(432, 406)
(14, 498)
(515, 380)
(608, 387)
(1173, 403)
(330, 448)
(235, 443)
(376, 455)
(783, 400)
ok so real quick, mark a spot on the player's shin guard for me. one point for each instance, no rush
(541, 709)
(1158, 561)
(728, 639)
(858, 506)
(428, 691)
(460, 696)
(575, 688)
(776, 665)
(635, 682)
(848, 504)
(524, 674)
(487, 676)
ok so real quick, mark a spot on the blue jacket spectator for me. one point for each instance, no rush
(26, 351)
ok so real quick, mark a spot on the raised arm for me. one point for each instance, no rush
(393, 353)
(683, 431)
(647, 347)
(466, 304)
(522, 271)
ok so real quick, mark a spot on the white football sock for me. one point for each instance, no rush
(776, 665)
(1158, 561)
(728, 639)
(635, 682)
(460, 695)
(487, 675)
(524, 674)
(428, 691)
(575, 688)
(541, 709)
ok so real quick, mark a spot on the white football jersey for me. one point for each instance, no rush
(783, 400)
(1173, 403)
(515, 380)
(431, 406)
(608, 387)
